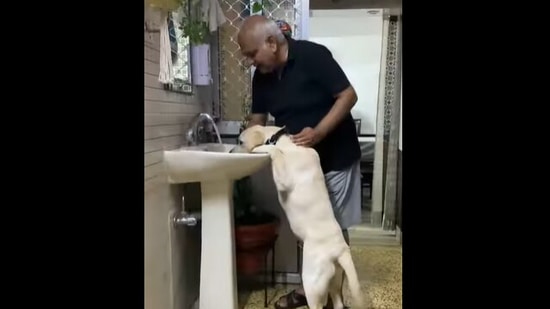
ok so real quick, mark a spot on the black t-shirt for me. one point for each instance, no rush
(304, 95)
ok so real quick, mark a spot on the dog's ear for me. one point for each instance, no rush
(253, 138)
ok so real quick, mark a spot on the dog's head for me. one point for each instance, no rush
(257, 135)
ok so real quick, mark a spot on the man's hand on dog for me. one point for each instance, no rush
(308, 137)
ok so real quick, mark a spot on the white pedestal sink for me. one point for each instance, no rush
(215, 168)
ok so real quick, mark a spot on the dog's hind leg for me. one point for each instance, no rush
(335, 288)
(346, 262)
(316, 276)
(315, 298)
(315, 290)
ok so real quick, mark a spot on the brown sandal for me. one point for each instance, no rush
(293, 300)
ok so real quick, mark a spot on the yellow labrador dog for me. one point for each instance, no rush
(304, 198)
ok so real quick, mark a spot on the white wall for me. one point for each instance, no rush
(355, 39)
(393, 7)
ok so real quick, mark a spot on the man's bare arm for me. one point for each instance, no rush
(257, 119)
(345, 100)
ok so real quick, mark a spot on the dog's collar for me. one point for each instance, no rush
(275, 137)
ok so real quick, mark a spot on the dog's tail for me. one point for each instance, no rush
(346, 262)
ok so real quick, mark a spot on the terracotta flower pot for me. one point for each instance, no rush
(252, 243)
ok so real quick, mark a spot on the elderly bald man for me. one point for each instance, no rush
(304, 88)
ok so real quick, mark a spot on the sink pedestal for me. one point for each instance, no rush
(216, 168)
(218, 279)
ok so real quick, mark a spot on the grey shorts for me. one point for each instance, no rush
(344, 188)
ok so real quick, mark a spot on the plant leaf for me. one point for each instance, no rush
(256, 7)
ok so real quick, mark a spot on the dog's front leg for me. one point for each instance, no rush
(280, 175)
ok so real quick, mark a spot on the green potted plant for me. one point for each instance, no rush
(191, 23)
(196, 30)
(255, 229)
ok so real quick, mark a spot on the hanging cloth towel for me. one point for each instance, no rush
(212, 13)
(166, 74)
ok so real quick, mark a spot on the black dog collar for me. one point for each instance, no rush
(275, 137)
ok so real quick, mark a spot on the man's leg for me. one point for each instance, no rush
(344, 188)
(345, 193)
(346, 236)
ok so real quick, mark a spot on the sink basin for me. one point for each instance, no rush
(216, 168)
(210, 162)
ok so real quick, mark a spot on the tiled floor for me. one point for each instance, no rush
(377, 257)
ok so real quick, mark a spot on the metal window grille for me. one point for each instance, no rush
(235, 76)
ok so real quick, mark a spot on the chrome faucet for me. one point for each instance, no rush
(197, 129)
